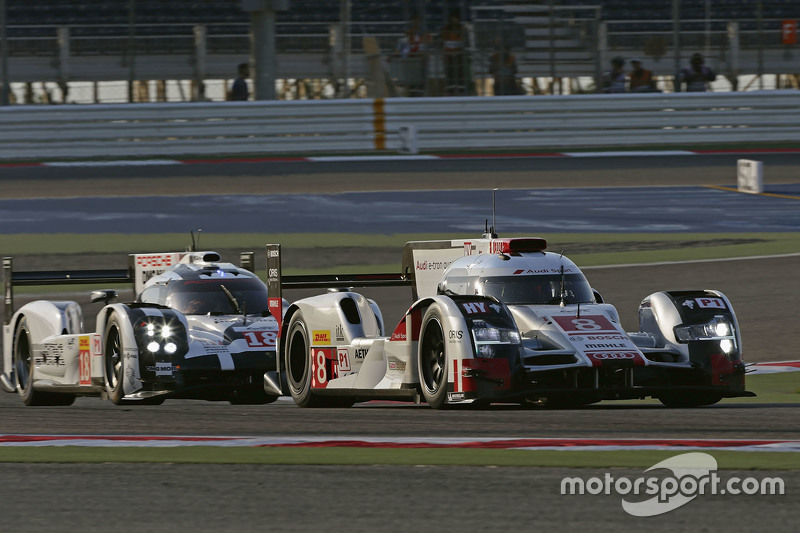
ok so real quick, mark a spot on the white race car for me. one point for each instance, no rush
(502, 320)
(199, 328)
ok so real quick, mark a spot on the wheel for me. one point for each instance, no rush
(114, 360)
(298, 364)
(433, 359)
(24, 366)
(699, 399)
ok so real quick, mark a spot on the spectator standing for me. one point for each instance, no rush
(454, 38)
(614, 80)
(410, 59)
(641, 79)
(240, 90)
(697, 76)
(503, 66)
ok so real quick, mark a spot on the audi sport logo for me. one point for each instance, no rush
(609, 356)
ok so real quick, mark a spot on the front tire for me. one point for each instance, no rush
(114, 361)
(432, 360)
(24, 368)
(298, 364)
(680, 401)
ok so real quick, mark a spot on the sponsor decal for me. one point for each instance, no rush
(596, 337)
(163, 369)
(455, 335)
(432, 265)
(273, 253)
(360, 353)
(710, 303)
(671, 484)
(467, 248)
(321, 336)
(339, 333)
(85, 360)
(260, 339)
(480, 308)
(456, 396)
(343, 360)
(399, 333)
(156, 260)
(397, 365)
(612, 356)
(539, 271)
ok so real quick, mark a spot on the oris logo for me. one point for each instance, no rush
(609, 356)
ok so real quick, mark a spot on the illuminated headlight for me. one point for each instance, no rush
(726, 345)
(166, 332)
(483, 332)
(170, 348)
(153, 346)
(717, 328)
(491, 341)
(150, 330)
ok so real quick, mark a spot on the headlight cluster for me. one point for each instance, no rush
(158, 336)
(718, 328)
(491, 340)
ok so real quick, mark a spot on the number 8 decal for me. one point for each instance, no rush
(586, 324)
(321, 373)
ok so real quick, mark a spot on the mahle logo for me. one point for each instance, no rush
(684, 478)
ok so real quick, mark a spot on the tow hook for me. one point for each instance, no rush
(481, 374)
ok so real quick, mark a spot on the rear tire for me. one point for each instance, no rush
(24, 368)
(432, 359)
(681, 401)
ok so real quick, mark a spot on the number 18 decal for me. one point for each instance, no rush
(260, 339)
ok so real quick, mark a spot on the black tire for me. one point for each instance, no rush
(114, 361)
(24, 365)
(432, 359)
(297, 363)
(681, 401)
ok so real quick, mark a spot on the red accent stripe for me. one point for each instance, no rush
(455, 375)
(245, 160)
(795, 364)
(750, 151)
(499, 156)
(529, 443)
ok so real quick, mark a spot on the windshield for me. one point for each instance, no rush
(531, 290)
(201, 297)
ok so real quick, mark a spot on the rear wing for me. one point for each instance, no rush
(141, 267)
(276, 281)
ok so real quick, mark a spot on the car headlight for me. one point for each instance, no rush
(157, 335)
(716, 329)
(491, 341)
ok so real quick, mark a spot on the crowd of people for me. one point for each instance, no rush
(694, 78)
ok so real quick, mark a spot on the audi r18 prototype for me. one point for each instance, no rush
(503, 320)
(199, 328)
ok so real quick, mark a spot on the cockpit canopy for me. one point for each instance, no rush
(209, 296)
(519, 279)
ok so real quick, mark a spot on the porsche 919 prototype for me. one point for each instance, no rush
(503, 320)
(199, 328)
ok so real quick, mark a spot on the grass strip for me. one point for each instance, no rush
(728, 460)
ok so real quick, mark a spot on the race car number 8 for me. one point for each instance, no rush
(586, 324)
(321, 373)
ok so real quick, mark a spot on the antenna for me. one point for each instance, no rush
(494, 226)
(195, 244)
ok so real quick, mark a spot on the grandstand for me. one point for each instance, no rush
(575, 40)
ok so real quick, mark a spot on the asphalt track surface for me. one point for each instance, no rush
(381, 498)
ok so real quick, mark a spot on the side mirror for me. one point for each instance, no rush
(103, 295)
(597, 297)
